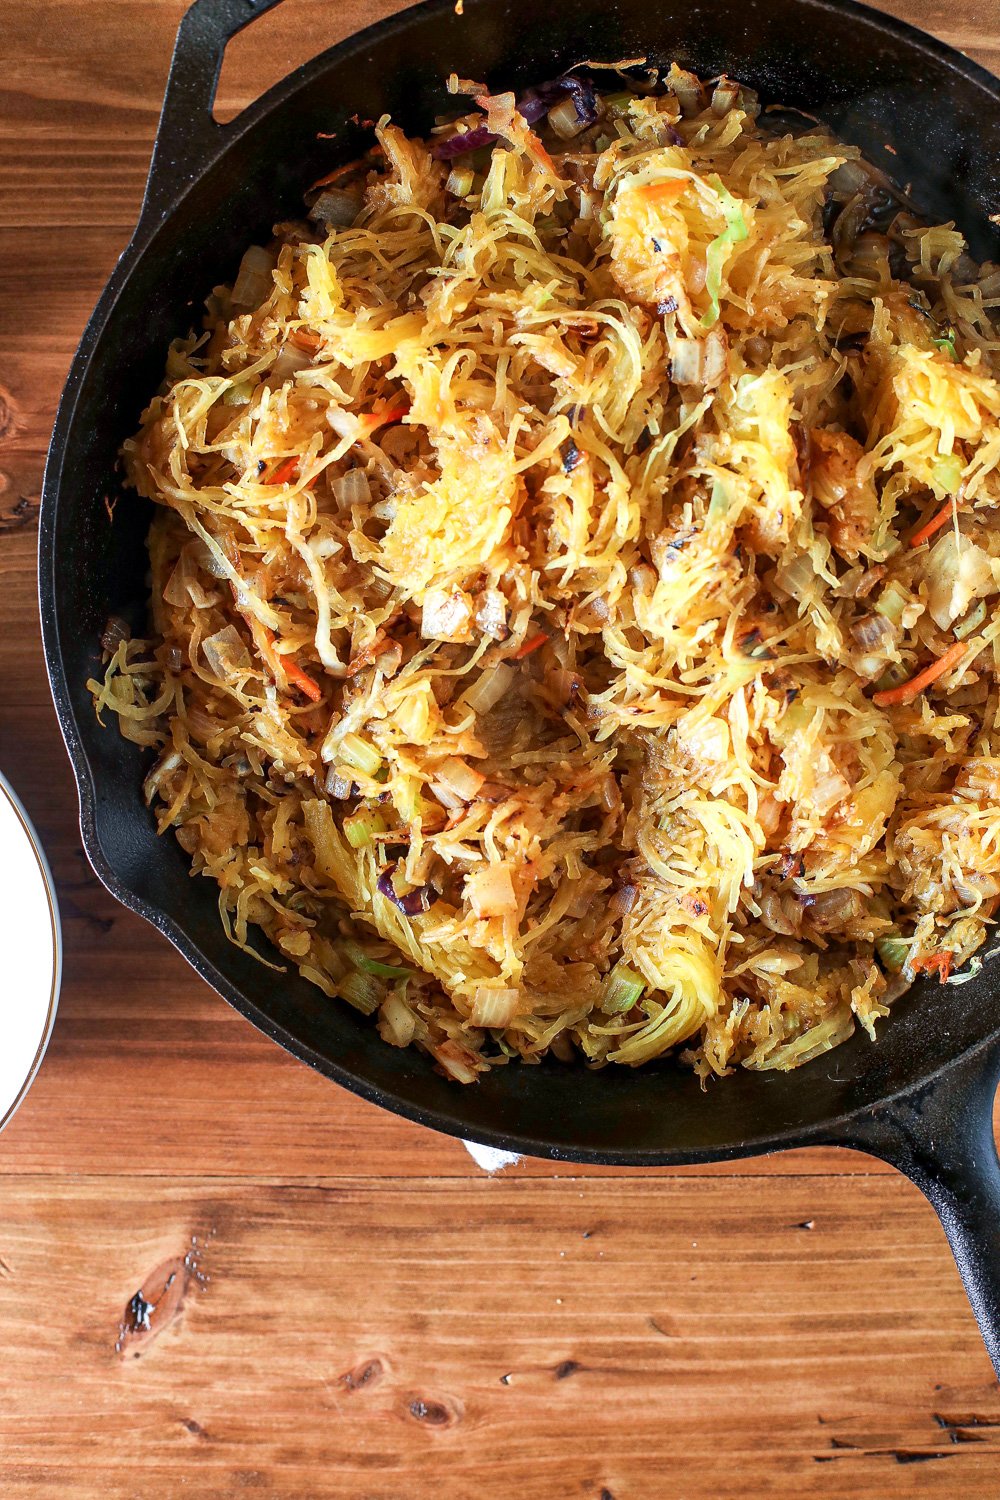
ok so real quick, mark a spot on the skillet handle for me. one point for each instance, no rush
(187, 136)
(941, 1137)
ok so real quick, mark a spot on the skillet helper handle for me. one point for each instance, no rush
(187, 136)
(941, 1137)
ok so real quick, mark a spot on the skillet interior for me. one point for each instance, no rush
(875, 82)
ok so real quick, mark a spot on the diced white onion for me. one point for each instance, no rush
(491, 614)
(175, 590)
(798, 577)
(206, 560)
(398, 1023)
(255, 277)
(447, 798)
(460, 778)
(337, 784)
(828, 789)
(201, 598)
(289, 360)
(687, 89)
(716, 358)
(687, 362)
(456, 1060)
(226, 654)
(564, 119)
(872, 632)
(956, 574)
(446, 615)
(352, 489)
(831, 909)
(724, 96)
(489, 688)
(335, 208)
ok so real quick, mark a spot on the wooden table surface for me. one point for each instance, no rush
(346, 1305)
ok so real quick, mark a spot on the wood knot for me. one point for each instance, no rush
(159, 1301)
(433, 1413)
(567, 1368)
(152, 1308)
(17, 512)
(8, 415)
(364, 1375)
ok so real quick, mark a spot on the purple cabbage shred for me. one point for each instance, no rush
(412, 904)
(532, 106)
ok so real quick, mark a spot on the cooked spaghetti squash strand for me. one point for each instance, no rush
(574, 586)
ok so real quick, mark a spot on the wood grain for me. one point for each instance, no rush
(486, 1337)
(360, 1312)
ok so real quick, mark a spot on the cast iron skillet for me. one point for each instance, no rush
(921, 1097)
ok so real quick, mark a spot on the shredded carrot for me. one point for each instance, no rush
(295, 674)
(304, 339)
(664, 192)
(384, 418)
(925, 532)
(907, 691)
(301, 679)
(338, 172)
(540, 154)
(285, 471)
(935, 963)
(531, 644)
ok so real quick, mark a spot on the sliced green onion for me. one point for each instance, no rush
(895, 674)
(893, 951)
(892, 601)
(972, 621)
(360, 754)
(947, 474)
(622, 989)
(407, 799)
(237, 394)
(617, 105)
(361, 827)
(718, 251)
(460, 180)
(721, 500)
(359, 958)
(363, 991)
(947, 345)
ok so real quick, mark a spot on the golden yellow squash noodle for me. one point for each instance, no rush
(574, 581)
